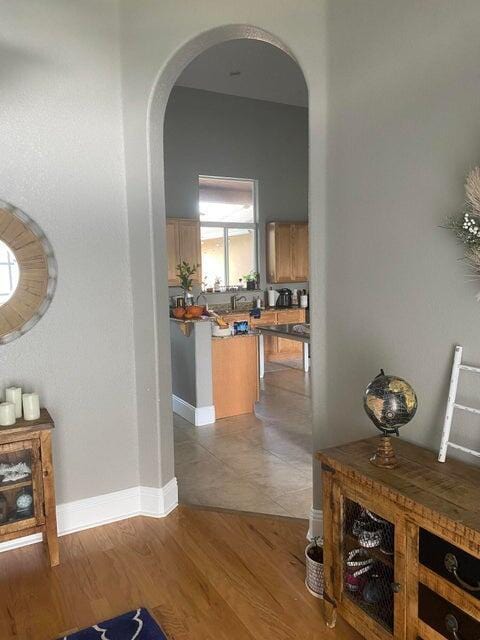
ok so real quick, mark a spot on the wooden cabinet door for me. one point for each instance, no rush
(172, 250)
(235, 375)
(267, 317)
(299, 236)
(285, 346)
(16, 494)
(269, 342)
(283, 252)
(236, 317)
(287, 252)
(345, 503)
(189, 245)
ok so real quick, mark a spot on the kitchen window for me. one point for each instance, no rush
(228, 231)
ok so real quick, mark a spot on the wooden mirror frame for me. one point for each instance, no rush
(37, 273)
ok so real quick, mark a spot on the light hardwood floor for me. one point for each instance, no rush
(203, 574)
(258, 462)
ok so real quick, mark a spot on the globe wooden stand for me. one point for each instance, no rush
(384, 456)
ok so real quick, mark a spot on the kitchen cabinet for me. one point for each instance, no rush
(183, 244)
(172, 244)
(274, 348)
(289, 347)
(270, 344)
(287, 252)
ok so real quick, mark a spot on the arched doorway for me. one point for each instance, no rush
(157, 104)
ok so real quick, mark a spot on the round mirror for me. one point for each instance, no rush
(28, 273)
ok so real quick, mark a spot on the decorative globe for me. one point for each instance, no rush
(390, 402)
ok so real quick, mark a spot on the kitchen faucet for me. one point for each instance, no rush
(234, 300)
(202, 295)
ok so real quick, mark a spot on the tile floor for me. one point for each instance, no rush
(258, 462)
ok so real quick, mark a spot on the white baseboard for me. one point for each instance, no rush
(315, 529)
(111, 507)
(199, 416)
(158, 503)
(20, 542)
(93, 512)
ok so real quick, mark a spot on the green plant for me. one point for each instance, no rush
(185, 272)
(253, 275)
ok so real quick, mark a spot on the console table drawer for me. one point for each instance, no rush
(450, 562)
(448, 620)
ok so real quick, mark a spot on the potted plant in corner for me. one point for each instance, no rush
(314, 566)
(185, 273)
(252, 280)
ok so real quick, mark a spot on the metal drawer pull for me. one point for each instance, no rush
(451, 565)
(452, 626)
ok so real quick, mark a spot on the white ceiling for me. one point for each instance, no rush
(266, 73)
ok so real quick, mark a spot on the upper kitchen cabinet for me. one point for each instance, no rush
(287, 252)
(183, 243)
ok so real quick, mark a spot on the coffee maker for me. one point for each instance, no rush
(284, 300)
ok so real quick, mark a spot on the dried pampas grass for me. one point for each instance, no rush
(472, 188)
(472, 258)
(467, 225)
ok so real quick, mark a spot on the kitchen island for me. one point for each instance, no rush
(235, 374)
(212, 377)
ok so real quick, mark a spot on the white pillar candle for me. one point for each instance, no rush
(14, 394)
(31, 406)
(7, 414)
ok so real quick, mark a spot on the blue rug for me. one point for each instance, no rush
(135, 625)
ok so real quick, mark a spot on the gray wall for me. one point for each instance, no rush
(62, 162)
(192, 363)
(215, 134)
(403, 130)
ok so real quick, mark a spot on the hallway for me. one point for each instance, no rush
(256, 462)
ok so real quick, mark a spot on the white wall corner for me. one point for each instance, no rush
(158, 503)
(199, 416)
(315, 528)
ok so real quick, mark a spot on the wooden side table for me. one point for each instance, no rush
(27, 502)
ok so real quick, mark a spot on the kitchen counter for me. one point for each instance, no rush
(252, 332)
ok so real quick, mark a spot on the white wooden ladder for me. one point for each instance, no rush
(452, 405)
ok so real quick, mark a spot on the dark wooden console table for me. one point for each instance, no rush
(27, 504)
(401, 546)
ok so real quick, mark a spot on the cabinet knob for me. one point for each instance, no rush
(396, 587)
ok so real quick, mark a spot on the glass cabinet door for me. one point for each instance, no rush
(20, 484)
(368, 562)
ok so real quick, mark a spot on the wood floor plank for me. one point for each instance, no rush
(203, 574)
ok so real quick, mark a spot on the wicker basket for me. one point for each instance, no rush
(314, 579)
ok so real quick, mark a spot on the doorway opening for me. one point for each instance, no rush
(236, 192)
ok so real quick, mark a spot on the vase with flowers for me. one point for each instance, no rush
(466, 226)
(185, 273)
